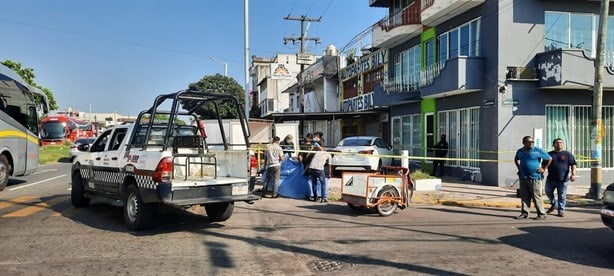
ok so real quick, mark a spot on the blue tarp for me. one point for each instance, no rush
(292, 182)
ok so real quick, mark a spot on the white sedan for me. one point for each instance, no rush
(366, 152)
(74, 151)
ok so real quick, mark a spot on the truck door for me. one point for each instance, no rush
(111, 158)
(96, 164)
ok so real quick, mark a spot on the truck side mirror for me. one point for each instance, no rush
(84, 147)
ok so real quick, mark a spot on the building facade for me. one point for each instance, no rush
(270, 77)
(486, 73)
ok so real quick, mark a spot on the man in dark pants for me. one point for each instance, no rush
(274, 155)
(441, 151)
(561, 171)
(531, 162)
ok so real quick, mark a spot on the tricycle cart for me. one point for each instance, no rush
(386, 191)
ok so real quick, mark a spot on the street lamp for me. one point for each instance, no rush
(225, 63)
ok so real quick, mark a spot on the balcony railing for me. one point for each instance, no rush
(408, 16)
(401, 84)
(428, 74)
(411, 83)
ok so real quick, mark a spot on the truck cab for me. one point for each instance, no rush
(166, 157)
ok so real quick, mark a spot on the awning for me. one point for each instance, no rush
(322, 116)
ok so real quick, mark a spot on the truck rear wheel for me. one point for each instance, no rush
(5, 170)
(387, 208)
(137, 214)
(77, 191)
(220, 211)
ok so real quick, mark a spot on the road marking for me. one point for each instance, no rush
(39, 182)
(27, 211)
(44, 171)
(19, 200)
(34, 208)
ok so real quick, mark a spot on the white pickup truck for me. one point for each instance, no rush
(165, 158)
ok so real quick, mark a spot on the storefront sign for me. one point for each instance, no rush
(358, 103)
(510, 102)
(364, 64)
(280, 72)
(489, 103)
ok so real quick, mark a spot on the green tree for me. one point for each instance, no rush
(27, 74)
(221, 85)
(351, 58)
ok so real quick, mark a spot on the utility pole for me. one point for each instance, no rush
(246, 52)
(598, 129)
(225, 63)
(302, 40)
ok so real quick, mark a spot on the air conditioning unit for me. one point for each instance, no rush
(521, 73)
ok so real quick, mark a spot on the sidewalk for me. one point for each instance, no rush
(470, 194)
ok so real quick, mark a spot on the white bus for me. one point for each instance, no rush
(19, 119)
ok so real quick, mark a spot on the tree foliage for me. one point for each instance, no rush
(221, 85)
(27, 74)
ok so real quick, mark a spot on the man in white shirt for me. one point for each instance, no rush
(316, 171)
(274, 155)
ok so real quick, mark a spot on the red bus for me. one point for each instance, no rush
(56, 129)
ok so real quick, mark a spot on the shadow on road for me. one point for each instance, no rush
(591, 247)
(106, 217)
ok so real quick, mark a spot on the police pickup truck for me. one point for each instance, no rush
(165, 158)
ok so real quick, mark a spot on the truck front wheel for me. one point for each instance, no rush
(137, 215)
(77, 191)
(220, 211)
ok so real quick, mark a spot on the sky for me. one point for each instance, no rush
(117, 55)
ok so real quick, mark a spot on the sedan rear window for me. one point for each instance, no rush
(355, 142)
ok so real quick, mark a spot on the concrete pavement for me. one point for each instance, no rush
(465, 193)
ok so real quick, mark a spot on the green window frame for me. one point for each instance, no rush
(573, 124)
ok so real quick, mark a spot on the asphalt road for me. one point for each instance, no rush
(41, 233)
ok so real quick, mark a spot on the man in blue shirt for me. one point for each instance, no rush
(561, 171)
(531, 162)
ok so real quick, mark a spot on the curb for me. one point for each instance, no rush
(429, 199)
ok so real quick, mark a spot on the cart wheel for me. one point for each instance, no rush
(354, 207)
(387, 208)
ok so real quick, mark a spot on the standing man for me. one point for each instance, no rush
(441, 151)
(273, 155)
(317, 172)
(531, 162)
(563, 162)
(305, 156)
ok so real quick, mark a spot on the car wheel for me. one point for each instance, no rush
(137, 214)
(77, 191)
(389, 206)
(220, 211)
(5, 170)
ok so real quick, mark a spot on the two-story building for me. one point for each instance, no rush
(488, 72)
(270, 77)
